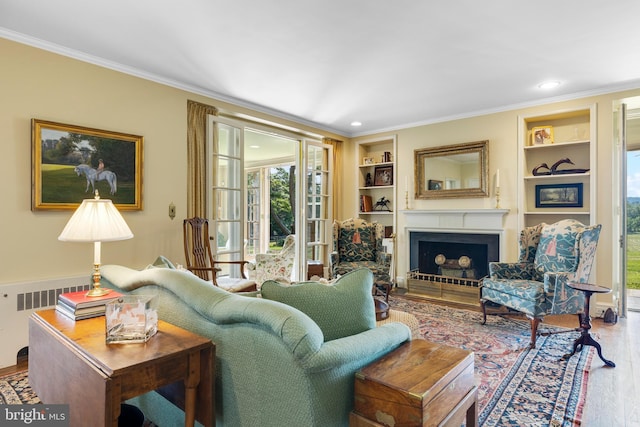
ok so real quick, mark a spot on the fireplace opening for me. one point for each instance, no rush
(476, 253)
(426, 246)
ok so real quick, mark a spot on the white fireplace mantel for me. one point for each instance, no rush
(456, 219)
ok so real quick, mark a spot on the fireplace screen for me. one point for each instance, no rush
(450, 266)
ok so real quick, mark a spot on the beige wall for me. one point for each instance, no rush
(38, 84)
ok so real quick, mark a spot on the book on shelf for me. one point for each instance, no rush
(79, 299)
(366, 204)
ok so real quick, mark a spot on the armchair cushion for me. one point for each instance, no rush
(558, 248)
(357, 245)
(342, 309)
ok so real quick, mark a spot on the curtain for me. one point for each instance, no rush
(197, 157)
(337, 173)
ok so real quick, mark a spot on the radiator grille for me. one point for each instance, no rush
(44, 298)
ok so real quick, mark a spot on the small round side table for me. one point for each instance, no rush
(585, 321)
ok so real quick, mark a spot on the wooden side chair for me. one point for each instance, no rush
(199, 259)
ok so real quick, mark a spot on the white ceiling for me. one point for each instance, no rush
(388, 64)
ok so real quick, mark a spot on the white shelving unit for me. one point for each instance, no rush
(574, 138)
(374, 151)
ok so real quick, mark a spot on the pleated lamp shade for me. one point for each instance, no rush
(96, 220)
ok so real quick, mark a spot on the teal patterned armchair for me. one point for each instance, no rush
(551, 256)
(358, 243)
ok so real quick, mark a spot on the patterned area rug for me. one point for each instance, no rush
(15, 390)
(516, 386)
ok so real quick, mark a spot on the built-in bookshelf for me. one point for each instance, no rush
(558, 166)
(377, 179)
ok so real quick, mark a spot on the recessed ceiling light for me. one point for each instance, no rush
(254, 146)
(356, 123)
(549, 84)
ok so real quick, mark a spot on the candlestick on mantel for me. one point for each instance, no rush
(497, 178)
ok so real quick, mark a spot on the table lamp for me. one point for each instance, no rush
(96, 220)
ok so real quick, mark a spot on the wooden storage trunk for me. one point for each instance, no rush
(419, 384)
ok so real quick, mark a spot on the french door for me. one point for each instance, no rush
(225, 193)
(239, 199)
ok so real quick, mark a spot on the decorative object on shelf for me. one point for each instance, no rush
(559, 196)
(382, 204)
(108, 161)
(367, 160)
(435, 184)
(386, 157)
(369, 181)
(553, 170)
(541, 135)
(383, 175)
(96, 220)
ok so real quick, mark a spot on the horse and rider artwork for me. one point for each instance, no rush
(71, 163)
(93, 175)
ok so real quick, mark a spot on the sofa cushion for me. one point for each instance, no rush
(161, 262)
(341, 309)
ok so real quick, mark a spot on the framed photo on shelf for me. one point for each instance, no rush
(367, 160)
(383, 175)
(559, 195)
(542, 135)
(435, 184)
(69, 163)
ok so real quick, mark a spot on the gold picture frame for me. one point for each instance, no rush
(542, 135)
(69, 162)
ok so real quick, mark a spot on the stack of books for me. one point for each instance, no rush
(78, 306)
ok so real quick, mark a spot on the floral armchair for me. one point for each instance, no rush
(358, 243)
(551, 256)
(277, 265)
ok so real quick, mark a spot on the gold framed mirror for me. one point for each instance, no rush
(452, 171)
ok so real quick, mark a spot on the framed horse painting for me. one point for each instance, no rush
(70, 163)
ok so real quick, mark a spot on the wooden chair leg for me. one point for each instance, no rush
(535, 321)
(484, 311)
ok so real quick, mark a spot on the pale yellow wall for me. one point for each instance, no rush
(43, 85)
(39, 84)
(501, 129)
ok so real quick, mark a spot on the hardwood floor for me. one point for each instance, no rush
(613, 392)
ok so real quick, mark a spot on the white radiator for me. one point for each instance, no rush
(18, 301)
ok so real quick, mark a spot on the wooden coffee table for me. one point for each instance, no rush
(70, 363)
(585, 321)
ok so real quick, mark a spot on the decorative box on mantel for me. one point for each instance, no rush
(438, 238)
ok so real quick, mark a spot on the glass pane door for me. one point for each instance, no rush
(318, 202)
(224, 179)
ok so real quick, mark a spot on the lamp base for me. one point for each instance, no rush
(98, 292)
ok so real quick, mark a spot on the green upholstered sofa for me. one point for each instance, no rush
(273, 365)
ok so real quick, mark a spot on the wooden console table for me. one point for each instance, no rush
(70, 363)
